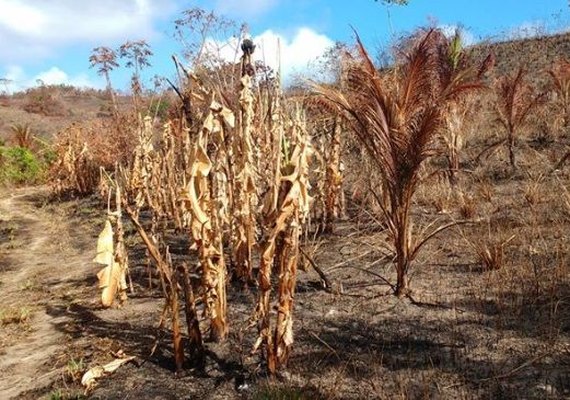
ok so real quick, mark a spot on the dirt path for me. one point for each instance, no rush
(39, 259)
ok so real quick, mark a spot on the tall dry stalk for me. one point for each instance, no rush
(286, 211)
(204, 200)
(151, 182)
(397, 122)
(244, 184)
(333, 205)
(453, 137)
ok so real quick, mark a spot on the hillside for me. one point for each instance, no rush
(535, 55)
(73, 105)
(50, 109)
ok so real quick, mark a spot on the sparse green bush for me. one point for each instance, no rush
(161, 109)
(19, 166)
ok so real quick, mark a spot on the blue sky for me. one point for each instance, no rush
(51, 40)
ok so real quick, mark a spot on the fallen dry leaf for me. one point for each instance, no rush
(89, 379)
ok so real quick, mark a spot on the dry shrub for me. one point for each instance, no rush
(490, 247)
(43, 102)
(532, 290)
(467, 206)
(83, 149)
(533, 191)
(485, 189)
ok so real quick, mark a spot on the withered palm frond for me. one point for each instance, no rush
(515, 101)
(397, 120)
(23, 136)
(560, 74)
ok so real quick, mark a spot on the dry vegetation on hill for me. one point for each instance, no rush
(401, 234)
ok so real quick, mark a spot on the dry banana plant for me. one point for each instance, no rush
(206, 207)
(286, 215)
(333, 204)
(244, 184)
(112, 278)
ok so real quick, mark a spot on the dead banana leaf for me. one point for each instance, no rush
(112, 276)
(89, 379)
(105, 254)
(111, 280)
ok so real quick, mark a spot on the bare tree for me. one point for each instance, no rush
(137, 54)
(105, 59)
(197, 26)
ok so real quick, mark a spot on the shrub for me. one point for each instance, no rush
(19, 165)
(43, 102)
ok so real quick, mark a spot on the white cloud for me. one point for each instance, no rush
(244, 8)
(35, 28)
(55, 76)
(449, 30)
(290, 54)
(14, 73)
(20, 80)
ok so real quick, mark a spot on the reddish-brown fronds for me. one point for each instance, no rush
(22, 135)
(397, 119)
(516, 99)
(560, 74)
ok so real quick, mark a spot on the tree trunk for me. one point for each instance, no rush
(111, 93)
(453, 162)
(511, 144)
(402, 282)
(195, 343)
(176, 334)
(402, 239)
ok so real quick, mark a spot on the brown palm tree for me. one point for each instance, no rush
(560, 74)
(397, 120)
(516, 100)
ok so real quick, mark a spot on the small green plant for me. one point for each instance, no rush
(75, 369)
(56, 395)
(59, 394)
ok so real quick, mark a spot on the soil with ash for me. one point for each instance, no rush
(457, 336)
